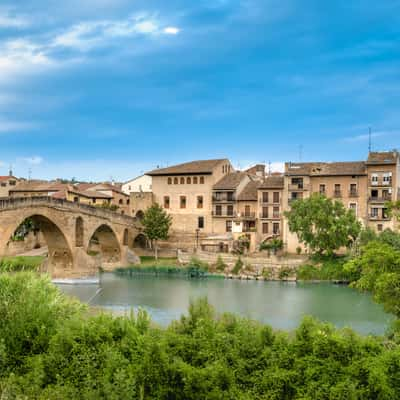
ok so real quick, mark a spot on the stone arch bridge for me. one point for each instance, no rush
(80, 238)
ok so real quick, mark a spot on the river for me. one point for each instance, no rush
(279, 304)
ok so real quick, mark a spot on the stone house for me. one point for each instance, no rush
(7, 183)
(140, 184)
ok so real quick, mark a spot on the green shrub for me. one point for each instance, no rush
(286, 272)
(220, 264)
(267, 273)
(237, 267)
(21, 263)
(196, 262)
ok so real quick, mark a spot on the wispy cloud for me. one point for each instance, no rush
(365, 137)
(61, 48)
(34, 160)
(8, 126)
(8, 20)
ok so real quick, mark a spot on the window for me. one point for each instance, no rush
(229, 196)
(169, 181)
(218, 210)
(3, 184)
(374, 179)
(223, 169)
(385, 213)
(183, 201)
(353, 206)
(229, 210)
(175, 181)
(276, 197)
(374, 212)
(189, 180)
(322, 188)
(247, 211)
(353, 189)
(12, 183)
(374, 194)
(337, 189)
(129, 188)
(275, 228)
(229, 226)
(202, 180)
(199, 201)
(275, 212)
(94, 201)
(120, 201)
(265, 197)
(386, 180)
(380, 227)
(385, 194)
(195, 180)
(76, 199)
(200, 222)
(265, 212)
(265, 227)
(298, 182)
(182, 180)
(128, 201)
(166, 201)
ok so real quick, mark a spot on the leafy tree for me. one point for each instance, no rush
(156, 224)
(324, 225)
(393, 208)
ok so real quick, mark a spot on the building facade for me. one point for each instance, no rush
(139, 184)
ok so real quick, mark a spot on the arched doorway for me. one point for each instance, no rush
(58, 250)
(104, 242)
(140, 241)
(140, 215)
(79, 232)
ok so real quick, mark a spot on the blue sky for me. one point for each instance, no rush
(95, 89)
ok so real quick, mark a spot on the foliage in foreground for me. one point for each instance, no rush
(51, 349)
(21, 263)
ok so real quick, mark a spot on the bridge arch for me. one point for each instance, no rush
(59, 249)
(104, 241)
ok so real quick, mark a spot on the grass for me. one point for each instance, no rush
(21, 263)
(166, 266)
(324, 268)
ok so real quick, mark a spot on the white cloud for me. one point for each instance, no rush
(171, 30)
(7, 126)
(10, 21)
(35, 160)
(365, 137)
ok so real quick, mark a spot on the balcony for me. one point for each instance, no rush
(353, 193)
(378, 217)
(224, 214)
(298, 187)
(381, 182)
(376, 199)
(223, 198)
(270, 201)
(268, 216)
(247, 215)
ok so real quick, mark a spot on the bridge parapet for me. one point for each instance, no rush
(11, 203)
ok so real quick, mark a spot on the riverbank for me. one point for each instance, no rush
(202, 355)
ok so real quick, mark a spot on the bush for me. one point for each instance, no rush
(196, 262)
(286, 272)
(220, 264)
(21, 263)
(237, 267)
(50, 349)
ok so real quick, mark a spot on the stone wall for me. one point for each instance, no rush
(257, 262)
(30, 242)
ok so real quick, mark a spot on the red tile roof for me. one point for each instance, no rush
(192, 167)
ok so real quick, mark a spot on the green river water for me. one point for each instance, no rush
(281, 305)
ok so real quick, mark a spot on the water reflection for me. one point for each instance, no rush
(279, 304)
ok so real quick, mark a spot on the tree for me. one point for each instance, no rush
(393, 208)
(324, 225)
(156, 224)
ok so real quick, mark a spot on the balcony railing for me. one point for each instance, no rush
(379, 217)
(271, 201)
(224, 214)
(268, 216)
(298, 186)
(223, 198)
(353, 193)
(377, 199)
(250, 214)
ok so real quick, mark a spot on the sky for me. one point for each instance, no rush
(101, 89)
